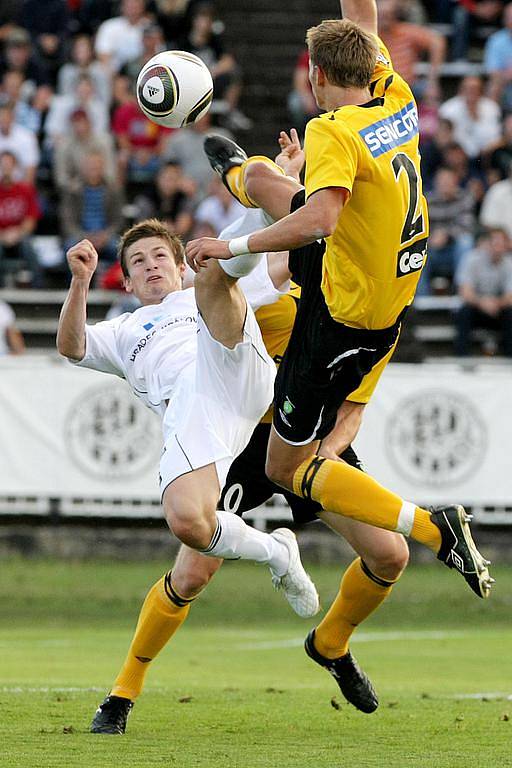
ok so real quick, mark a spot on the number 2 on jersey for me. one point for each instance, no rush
(412, 227)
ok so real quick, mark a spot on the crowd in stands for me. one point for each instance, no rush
(79, 159)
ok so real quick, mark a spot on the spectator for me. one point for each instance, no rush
(9, 13)
(94, 210)
(185, 147)
(83, 62)
(152, 43)
(498, 62)
(497, 205)
(219, 209)
(476, 119)
(90, 14)
(20, 141)
(19, 213)
(75, 146)
(485, 287)
(174, 17)
(468, 14)
(500, 158)
(12, 89)
(18, 56)
(172, 199)
(58, 122)
(407, 44)
(11, 339)
(48, 28)
(301, 102)
(204, 41)
(432, 151)
(469, 175)
(140, 141)
(119, 40)
(452, 220)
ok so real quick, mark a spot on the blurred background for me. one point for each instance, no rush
(78, 457)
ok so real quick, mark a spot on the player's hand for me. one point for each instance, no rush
(291, 157)
(83, 260)
(198, 251)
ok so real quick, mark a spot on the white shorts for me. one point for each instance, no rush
(217, 404)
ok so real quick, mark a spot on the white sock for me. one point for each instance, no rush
(239, 266)
(234, 539)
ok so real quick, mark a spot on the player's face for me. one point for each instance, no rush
(153, 272)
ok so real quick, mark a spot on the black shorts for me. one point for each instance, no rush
(247, 485)
(325, 360)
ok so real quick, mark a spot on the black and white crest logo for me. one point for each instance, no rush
(436, 438)
(111, 435)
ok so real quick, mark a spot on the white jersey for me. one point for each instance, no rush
(154, 345)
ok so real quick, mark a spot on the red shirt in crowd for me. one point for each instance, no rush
(18, 201)
(129, 121)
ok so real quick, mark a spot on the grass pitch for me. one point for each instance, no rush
(234, 688)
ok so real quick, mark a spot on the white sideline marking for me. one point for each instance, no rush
(361, 637)
(494, 695)
(49, 689)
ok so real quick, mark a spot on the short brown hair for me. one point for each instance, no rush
(345, 52)
(149, 228)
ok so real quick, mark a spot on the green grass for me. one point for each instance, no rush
(252, 698)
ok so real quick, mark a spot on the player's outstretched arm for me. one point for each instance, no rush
(83, 260)
(363, 12)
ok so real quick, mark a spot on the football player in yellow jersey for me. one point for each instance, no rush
(364, 209)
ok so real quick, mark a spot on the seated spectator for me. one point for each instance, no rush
(485, 287)
(47, 25)
(452, 220)
(171, 200)
(119, 40)
(432, 149)
(18, 56)
(498, 62)
(185, 147)
(140, 141)
(496, 208)
(500, 156)
(152, 43)
(82, 62)
(94, 210)
(19, 213)
(204, 41)
(467, 16)
(476, 119)
(301, 102)
(20, 141)
(11, 339)
(408, 44)
(470, 176)
(58, 122)
(88, 15)
(219, 209)
(175, 17)
(75, 146)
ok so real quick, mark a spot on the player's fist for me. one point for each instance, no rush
(83, 260)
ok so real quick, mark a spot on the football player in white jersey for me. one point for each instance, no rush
(196, 357)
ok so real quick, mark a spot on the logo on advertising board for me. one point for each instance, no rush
(111, 435)
(436, 437)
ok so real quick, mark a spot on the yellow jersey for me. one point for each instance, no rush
(373, 260)
(276, 323)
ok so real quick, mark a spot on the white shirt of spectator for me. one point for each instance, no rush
(496, 208)
(23, 145)
(473, 135)
(7, 319)
(62, 107)
(211, 211)
(486, 277)
(120, 40)
(153, 347)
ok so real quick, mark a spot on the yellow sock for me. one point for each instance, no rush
(162, 613)
(361, 593)
(235, 180)
(340, 488)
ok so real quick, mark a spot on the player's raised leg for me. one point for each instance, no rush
(164, 610)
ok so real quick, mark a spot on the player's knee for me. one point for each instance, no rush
(279, 473)
(389, 562)
(255, 175)
(190, 528)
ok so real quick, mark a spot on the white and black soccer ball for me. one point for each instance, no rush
(174, 88)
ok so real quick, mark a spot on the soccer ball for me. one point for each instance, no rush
(174, 88)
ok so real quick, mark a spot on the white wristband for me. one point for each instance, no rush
(239, 245)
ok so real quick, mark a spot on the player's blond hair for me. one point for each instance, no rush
(149, 228)
(345, 52)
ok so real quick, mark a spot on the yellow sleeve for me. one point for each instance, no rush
(384, 65)
(332, 155)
